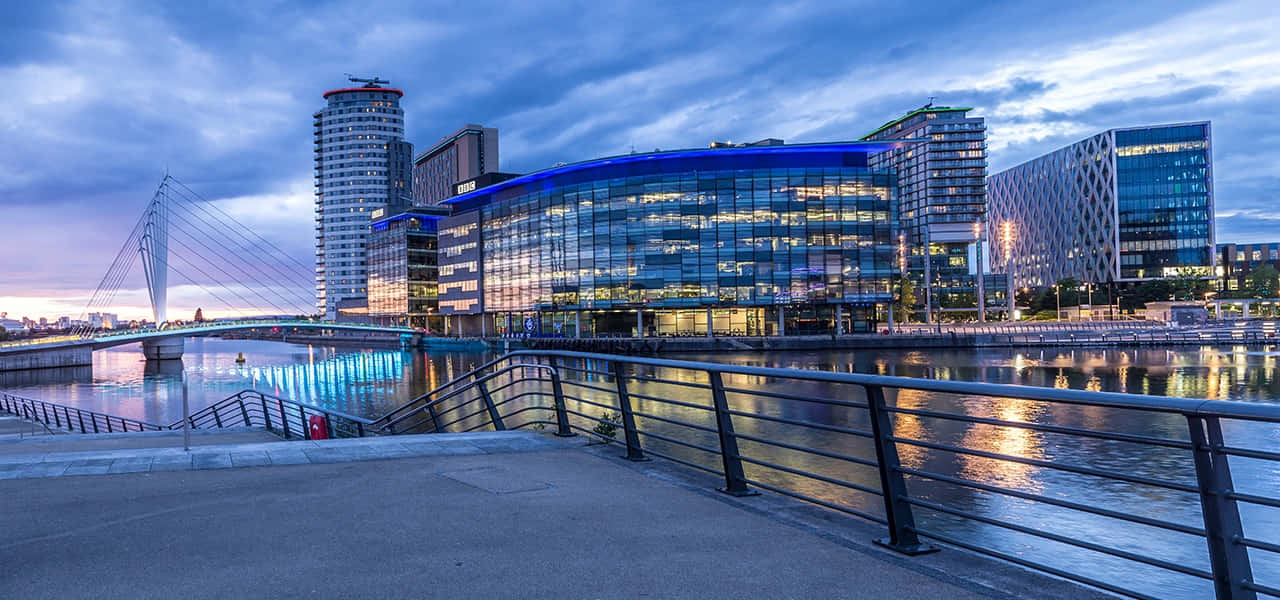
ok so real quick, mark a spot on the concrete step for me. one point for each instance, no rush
(45, 444)
(15, 428)
(138, 452)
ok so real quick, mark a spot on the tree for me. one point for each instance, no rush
(1188, 285)
(906, 299)
(1263, 282)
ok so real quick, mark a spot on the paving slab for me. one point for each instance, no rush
(557, 522)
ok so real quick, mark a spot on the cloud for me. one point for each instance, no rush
(108, 97)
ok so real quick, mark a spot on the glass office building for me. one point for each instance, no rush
(401, 252)
(749, 240)
(942, 186)
(1124, 205)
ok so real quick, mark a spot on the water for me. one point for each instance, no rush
(370, 382)
(361, 382)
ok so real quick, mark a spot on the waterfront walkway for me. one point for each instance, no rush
(501, 515)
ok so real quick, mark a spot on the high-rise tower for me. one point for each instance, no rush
(357, 134)
(941, 195)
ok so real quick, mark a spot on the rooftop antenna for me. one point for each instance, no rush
(373, 83)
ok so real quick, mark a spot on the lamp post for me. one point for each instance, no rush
(1006, 236)
(1057, 296)
(980, 287)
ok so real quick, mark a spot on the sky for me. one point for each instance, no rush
(104, 98)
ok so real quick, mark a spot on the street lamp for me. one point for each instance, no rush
(1006, 237)
(980, 287)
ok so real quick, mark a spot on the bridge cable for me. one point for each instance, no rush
(293, 280)
(292, 301)
(225, 288)
(115, 274)
(305, 281)
(204, 204)
(233, 278)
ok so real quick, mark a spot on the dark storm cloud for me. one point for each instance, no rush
(104, 98)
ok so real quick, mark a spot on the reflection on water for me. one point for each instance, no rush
(370, 382)
(355, 381)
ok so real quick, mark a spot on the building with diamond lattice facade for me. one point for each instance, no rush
(1121, 206)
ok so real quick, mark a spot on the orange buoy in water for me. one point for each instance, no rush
(239, 358)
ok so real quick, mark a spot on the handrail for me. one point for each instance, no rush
(70, 418)
(288, 418)
(388, 426)
(705, 439)
(411, 404)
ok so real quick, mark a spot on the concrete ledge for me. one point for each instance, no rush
(39, 464)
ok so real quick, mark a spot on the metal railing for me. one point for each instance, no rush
(248, 408)
(69, 418)
(749, 425)
(287, 418)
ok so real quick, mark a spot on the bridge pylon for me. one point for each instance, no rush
(154, 247)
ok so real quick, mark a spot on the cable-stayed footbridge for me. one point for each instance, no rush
(215, 258)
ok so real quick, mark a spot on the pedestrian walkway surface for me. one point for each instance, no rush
(493, 515)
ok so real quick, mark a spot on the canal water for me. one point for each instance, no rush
(370, 382)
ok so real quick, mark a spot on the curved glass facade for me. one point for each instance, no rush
(672, 232)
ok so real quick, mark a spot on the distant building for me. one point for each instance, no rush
(1236, 261)
(464, 154)
(103, 320)
(941, 200)
(399, 172)
(358, 145)
(402, 268)
(1124, 205)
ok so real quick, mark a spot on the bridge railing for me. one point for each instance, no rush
(70, 418)
(1021, 473)
(287, 418)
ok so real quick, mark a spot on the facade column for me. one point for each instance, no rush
(890, 316)
(709, 334)
(484, 328)
(639, 322)
(1245, 307)
(782, 320)
(839, 319)
(577, 324)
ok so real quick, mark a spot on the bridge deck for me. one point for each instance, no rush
(484, 515)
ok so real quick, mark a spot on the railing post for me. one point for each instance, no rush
(435, 417)
(80, 417)
(893, 487)
(359, 429)
(735, 481)
(328, 427)
(94, 420)
(284, 419)
(562, 414)
(493, 409)
(216, 418)
(302, 419)
(57, 421)
(266, 415)
(634, 452)
(1228, 557)
(244, 413)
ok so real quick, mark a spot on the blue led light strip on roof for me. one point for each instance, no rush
(832, 147)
